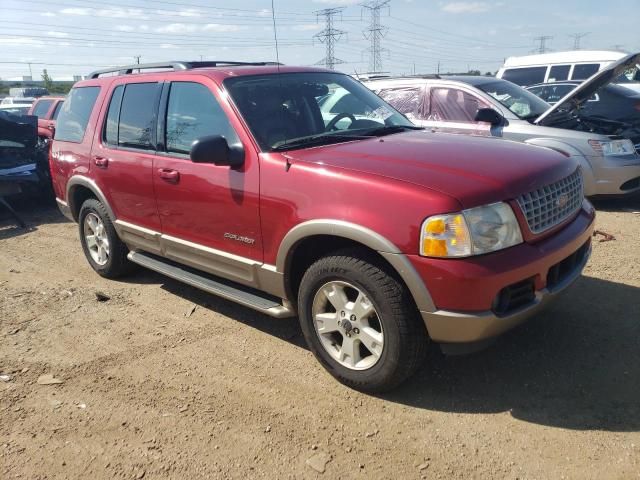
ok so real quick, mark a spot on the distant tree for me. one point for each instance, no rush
(474, 72)
(488, 74)
(46, 80)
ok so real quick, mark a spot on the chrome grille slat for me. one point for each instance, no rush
(550, 205)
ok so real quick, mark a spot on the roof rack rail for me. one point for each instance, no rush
(174, 65)
(395, 77)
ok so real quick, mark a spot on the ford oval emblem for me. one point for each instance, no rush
(562, 200)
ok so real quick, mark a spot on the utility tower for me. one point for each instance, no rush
(576, 39)
(543, 43)
(374, 33)
(329, 36)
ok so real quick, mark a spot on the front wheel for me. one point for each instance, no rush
(360, 322)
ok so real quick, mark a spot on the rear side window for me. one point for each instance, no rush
(41, 108)
(584, 71)
(193, 112)
(75, 113)
(56, 111)
(407, 100)
(111, 127)
(136, 127)
(525, 76)
(559, 73)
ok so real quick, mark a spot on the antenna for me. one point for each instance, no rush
(275, 33)
(576, 39)
(329, 36)
(374, 33)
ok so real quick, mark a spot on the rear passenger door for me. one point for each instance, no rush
(123, 153)
(209, 214)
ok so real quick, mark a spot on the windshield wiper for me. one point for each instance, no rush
(388, 130)
(312, 141)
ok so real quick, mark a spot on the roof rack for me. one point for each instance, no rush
(174, 65)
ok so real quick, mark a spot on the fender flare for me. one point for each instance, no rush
(367, 237)
(82, 181)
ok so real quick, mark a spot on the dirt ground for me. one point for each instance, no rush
(155, 389)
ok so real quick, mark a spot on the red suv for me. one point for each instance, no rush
(47, 110)
(379, 237)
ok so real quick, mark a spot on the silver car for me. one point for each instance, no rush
(608, 151)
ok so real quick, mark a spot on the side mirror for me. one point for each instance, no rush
(489, 115)
(215, 149)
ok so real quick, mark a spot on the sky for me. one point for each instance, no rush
(74, 37)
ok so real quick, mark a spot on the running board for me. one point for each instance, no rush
(246, 296)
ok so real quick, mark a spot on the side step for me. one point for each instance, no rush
(246, 296)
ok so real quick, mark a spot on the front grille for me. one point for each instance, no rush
(514, 296)
(563, 269)
(550, 205)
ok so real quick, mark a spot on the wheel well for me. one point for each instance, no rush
(310, 249)
(77, 197)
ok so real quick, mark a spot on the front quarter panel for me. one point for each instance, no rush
(293, 193)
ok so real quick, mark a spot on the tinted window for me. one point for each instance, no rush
(56, 111)
(407, 100)
(453, 105)
(75, 113)
(553, 93)
(137, 115)
(111, 127)
(525, 76)
(193, 112)
(559, 73)
(41, 108)
(582, 72)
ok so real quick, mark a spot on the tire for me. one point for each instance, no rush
(395, 332)
(115, 263)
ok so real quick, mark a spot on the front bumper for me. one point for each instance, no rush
(615, 176)
(465, 290)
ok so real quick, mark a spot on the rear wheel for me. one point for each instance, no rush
(102, 247)
(360, 322)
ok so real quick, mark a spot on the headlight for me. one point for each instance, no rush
(613, 147)
(471, 232)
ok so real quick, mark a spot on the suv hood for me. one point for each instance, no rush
(474, 170)
(18, 139)
(585, 90)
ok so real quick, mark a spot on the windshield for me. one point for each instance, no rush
(520, 101)
(293, 110)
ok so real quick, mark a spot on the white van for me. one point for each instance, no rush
(559, 66)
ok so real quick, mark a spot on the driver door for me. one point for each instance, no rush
(209, 214)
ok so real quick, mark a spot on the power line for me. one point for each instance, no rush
(543, 43)
(375, 33)
(576, 39)
(329, 36)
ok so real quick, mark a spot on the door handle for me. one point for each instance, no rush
(170, 175)
(101, 162)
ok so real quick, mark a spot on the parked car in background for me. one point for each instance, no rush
(16, 109)
(493, 107)
(47, 109)
(17, 101)
(560, 66)
(227, 176)
(611, 102)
